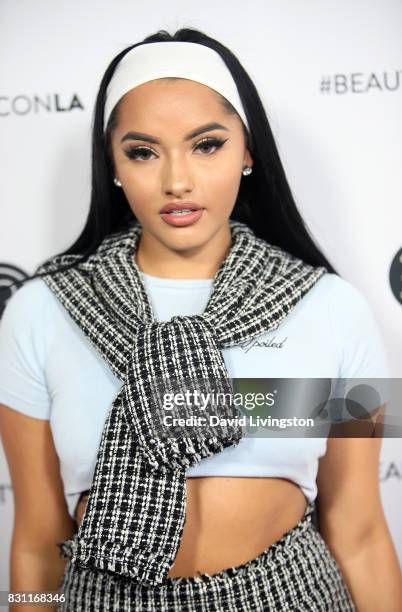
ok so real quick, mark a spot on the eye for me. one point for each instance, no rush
(207, 143)
(136, 152)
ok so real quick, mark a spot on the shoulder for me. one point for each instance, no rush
(344, 293)
(339, 292)
(27, 319)
(344, 300)
(30, 298)
(350, 308)
(356, 330)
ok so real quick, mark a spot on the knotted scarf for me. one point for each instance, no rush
(136, 507)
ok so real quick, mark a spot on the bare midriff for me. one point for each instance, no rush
(231, 520)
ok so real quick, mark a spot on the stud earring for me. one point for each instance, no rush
(247, 170)
(116, 182)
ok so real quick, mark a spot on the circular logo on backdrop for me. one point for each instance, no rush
(9, 274)
(395, 276)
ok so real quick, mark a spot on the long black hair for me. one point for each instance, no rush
(265, 201)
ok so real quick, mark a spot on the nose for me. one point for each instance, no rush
(177, 177)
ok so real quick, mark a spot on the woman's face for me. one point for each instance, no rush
(159, 162)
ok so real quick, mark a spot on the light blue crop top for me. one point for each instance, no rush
(49, 370)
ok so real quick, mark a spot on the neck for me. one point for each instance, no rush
(196, 262)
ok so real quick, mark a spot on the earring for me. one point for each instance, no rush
(247, 170)
(116, 182)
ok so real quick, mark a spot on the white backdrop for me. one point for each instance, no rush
(330, 78)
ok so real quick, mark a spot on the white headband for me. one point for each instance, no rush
(172, 59)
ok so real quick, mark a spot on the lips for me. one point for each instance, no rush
(182, 219)
(168, 208)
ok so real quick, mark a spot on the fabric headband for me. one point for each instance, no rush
(185, 60)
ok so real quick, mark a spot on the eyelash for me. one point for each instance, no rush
(213, 142)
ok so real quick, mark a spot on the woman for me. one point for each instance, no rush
(185, 140)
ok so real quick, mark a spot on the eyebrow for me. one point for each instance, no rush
(200, 130)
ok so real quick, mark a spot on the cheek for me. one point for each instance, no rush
(225, 169)
(223, 183)
(139, 191)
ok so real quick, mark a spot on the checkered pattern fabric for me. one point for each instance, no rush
(135, 514)
(297, 573)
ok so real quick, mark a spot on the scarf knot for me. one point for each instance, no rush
(176, 357)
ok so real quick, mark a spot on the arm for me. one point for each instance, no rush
(41, 517)
(352, 522)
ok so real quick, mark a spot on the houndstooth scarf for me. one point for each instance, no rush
(135, 513)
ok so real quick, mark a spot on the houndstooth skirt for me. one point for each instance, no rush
(298, 572)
